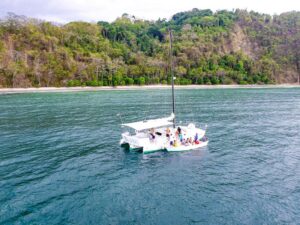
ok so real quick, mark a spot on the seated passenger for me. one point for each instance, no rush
(176, 143)
(204, 138)
(186, 142)
(196, 137)
(151, 133)
(168, 131)
(171, 139)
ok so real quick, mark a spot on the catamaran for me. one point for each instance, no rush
(163, 134)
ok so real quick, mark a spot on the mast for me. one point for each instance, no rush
(172, 75)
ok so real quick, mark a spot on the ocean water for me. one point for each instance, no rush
(61, 163)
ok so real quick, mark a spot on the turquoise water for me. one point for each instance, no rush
(60, 162)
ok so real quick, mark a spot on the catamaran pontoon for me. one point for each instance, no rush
(160, 134)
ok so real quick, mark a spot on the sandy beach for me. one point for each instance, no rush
(76, 89)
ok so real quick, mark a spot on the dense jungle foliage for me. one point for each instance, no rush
(223, 47)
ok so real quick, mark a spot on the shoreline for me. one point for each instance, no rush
(135, 87)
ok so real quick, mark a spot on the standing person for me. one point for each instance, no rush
(179, 130)
(180, 136)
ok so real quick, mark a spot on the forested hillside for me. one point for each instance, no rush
(223, 47)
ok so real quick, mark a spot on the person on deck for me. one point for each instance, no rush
(168, 131)
(171, 139)
(196, 139)
(179, 133)
(152, 134)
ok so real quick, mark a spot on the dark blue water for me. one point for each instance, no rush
(60, 162)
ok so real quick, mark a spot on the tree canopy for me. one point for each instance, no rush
(223, 47)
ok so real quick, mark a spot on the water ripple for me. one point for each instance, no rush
(60, 162)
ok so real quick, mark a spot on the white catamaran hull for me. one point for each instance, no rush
(141, 141)
(186, 148)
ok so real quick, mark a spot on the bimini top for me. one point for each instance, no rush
(148, 124)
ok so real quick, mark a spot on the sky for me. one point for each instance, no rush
(64, 11)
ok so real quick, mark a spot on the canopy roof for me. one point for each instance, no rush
(148, 124)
